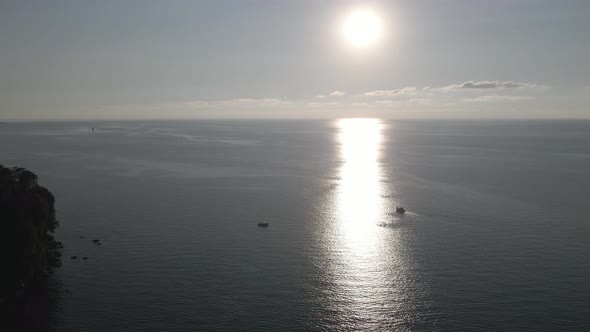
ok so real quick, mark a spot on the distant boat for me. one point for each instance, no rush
(400, 210)
(93, 129)
(262, 224)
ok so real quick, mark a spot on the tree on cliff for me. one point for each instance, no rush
(28, 250)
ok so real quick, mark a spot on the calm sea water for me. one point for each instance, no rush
(497, 234)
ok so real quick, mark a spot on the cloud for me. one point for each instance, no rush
(496, 98)
(486, 85)
(199, 105)
(253, 102)
(316, 104)
(173, 106)
(391, 93)
(409, 102)
(337, 94)
(468, 93)
(384, 102)
(334, 93)
(420, 101)
(388, 103)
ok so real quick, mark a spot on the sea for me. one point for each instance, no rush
(496, 234)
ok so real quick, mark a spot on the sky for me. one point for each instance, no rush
(145, 59)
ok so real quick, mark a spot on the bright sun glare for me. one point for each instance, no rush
(362, 28)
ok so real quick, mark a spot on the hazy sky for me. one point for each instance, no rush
(273, 58)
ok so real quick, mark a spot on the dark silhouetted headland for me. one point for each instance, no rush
(28, 249)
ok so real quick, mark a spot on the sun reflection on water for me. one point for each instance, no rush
(359, 195)
(361, 260)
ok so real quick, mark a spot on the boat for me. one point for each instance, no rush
(400, 210)
(262, 224)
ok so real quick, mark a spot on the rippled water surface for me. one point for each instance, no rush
(497, 233)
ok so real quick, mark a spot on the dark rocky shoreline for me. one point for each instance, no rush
(28, 248)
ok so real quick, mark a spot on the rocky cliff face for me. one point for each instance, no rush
(28, 250)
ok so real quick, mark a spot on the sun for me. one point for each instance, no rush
(362, 28)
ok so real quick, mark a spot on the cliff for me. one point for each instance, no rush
(28, 249)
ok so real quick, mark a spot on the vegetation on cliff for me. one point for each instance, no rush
(28, 249)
